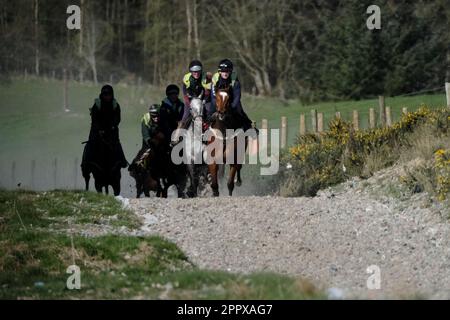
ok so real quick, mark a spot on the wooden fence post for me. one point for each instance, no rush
(264, 128)
(447, 92)
(405, 110)
(372, 121)
(355, 120)
(65, 89)
(55, 170)
(264, 124)
(314, 120)
(75, 173)
(283, 132)
(338, 115)
(302, 124)
(253, 146)
(382, 110)
(320, 122)
(33, 169)
(388, 116)
(13, 175)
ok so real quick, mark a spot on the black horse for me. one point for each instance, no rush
(102, 159)
(103, 156)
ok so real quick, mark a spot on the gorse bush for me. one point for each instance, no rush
(442, 166)
(317, 161)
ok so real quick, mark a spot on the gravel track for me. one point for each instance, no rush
(330, 239)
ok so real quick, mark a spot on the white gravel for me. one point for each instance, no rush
(330, 239)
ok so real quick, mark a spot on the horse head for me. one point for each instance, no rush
(196, 107)
(158, 140)
(222, 101)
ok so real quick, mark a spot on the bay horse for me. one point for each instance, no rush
(146, 168)
(223, 119)
(153, 170)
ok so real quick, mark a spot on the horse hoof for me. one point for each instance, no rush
(238, 183)
(215, 193)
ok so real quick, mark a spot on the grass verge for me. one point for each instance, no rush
(35, 253)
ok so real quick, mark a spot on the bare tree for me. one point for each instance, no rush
(36, 36)
(196, 36)
(98, 37)
(189, 27)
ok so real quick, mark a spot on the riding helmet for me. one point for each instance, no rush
(172, 89)
(195, 66)
(226, 65)
(154, 110)
(107, 90)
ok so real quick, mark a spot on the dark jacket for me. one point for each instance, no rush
(105, 118)
(235, 92)
(170, 114)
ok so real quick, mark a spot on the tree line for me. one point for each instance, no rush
(309, 49)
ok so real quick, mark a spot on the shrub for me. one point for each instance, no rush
(320, 160)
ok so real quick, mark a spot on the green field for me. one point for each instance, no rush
(34, 126)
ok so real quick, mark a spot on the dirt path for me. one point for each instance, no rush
(330, 239)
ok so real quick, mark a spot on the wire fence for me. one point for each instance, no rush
(52, 174)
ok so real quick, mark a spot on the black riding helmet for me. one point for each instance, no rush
(154, 112)
(195, 66)
(172, 89)
(225, 65)
(107, 90)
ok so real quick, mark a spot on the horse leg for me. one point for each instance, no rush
(86, 180)
(106, 189)
(116, 187)
(180, 183)
(138, 188)
(165, 187)
(146, 190)
(193, 183)
(159, 189)
(239, 180)
(230, 183)
(238, 164)
(98, 186)
(213, 168)
(86, 175)
(221, 171)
